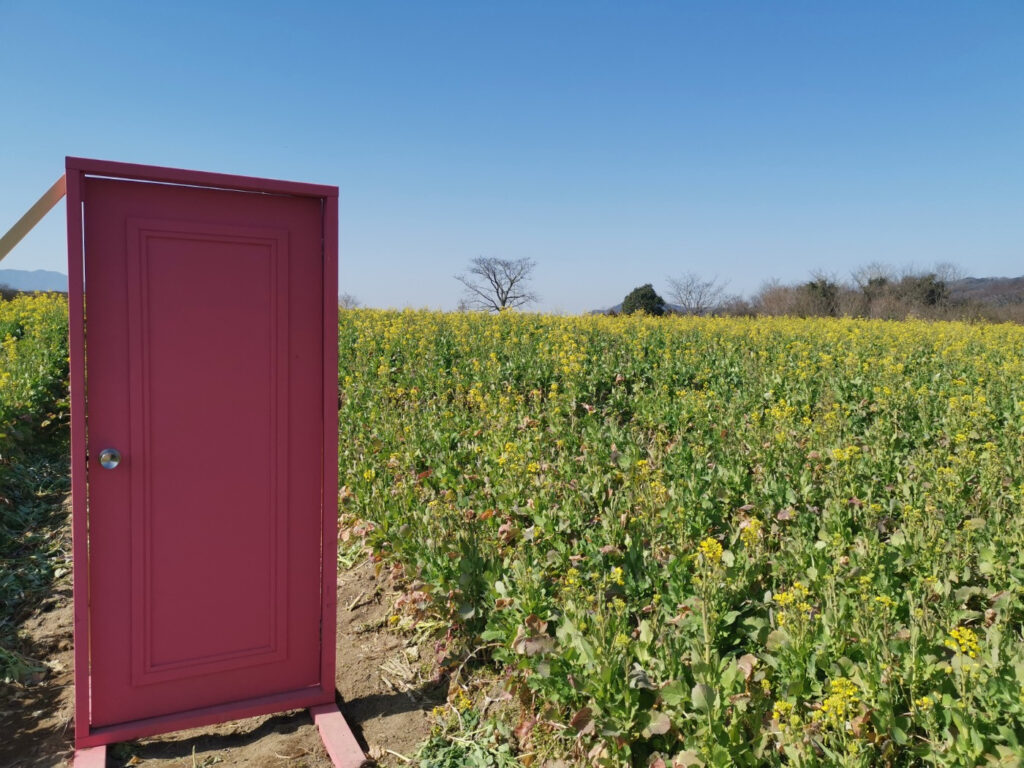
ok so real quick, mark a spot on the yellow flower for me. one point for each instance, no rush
(711, 551)
(963, 640)
(781, 710)
(885, 601)
(461, 701)
(750, 531)
(840, 704)
(784, 713)
(793, 604)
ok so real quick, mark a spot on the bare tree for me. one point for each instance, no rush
(948, 272)
(694, 295)
(774, 299)
(872, 278)
(496, 284)
(348, 301)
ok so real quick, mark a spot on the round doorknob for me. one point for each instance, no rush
(110, 458)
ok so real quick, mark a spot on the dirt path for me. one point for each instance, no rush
(380, 675)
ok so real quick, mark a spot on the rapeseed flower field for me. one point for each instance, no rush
(664, 542)
(686, 541)
(33, 461)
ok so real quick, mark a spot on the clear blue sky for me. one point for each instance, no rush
(615, 143)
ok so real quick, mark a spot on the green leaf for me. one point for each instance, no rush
(673, 693)
(702, 697)
(688, 758)
(777, 638)
(659, 724)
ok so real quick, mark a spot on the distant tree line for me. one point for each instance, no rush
(873, 291)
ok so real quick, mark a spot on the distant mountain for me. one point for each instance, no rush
(988, 290)
(34, 280)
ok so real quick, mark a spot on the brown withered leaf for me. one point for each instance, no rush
(531, 640)
(508, 532)
(746, 664)
(532, 646)
(860, 726)
(583, 722)
(524, 729)
(534, 623)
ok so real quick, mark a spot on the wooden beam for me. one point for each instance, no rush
(24, 225)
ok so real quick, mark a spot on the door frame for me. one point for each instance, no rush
(323, 693)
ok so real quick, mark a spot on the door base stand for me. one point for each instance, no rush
(337, 737)
(90, 757)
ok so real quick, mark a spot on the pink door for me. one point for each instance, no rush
(205, 452)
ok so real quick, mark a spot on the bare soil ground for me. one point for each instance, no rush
(385, 698)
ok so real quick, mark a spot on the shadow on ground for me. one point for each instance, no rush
(383, 697)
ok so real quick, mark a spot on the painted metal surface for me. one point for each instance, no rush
(204, 351)
(91, 757)
(341, 745)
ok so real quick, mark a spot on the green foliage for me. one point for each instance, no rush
(33, 459)
(471, 744)
(927, 290)
(697, 541)
(823, 297)
(643, 299)
(706, 541)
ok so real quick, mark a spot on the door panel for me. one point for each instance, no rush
(204, 332)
